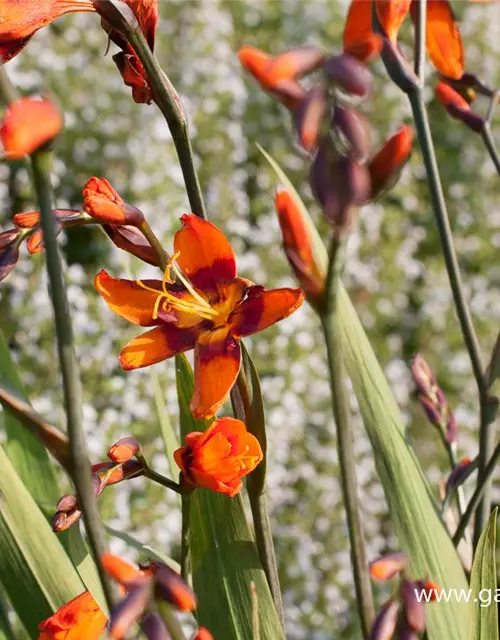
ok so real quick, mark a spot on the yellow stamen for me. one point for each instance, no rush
(201, 307)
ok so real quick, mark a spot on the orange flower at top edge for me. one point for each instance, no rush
(219, 457)
(28, 124)
(201, 304)
(79, 618)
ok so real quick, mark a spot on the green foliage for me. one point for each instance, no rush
(224, 558)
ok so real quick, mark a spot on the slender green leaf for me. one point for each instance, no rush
(35, 571)
(224, 558)
(167, 430)
(85, 565)
(492, 373)
(414, 513)
(28, 456)
(6, 632)
(483, 585)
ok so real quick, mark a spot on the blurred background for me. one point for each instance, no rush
(395, 271)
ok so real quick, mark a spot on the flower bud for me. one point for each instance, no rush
(294, 64)
(431, 588)
(354, 130)
(64, 520)
(169, 586)
(134, 76)
(104, 204)
(414, 610)
(30, 219)
(386, 165)
(154, 628)
(423, 375)
(388, 566)
(351, 75)
(309, 116)
(202, 634)
(123, 571)
(28, 124)
(124, 449)
(67, 503)
(463, 469)
(9, 252)
(458, 108)
(297, 246)
(386, 621)
(35, 243)
(133, 241)
(128, 611)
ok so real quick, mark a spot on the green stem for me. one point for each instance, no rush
(451, 450)
(186, 512)
(171, 623)
(457, 288)
(161, 255)
(265, 547)
(420, 40)
(159, 479)
(490, 146)
(345, 442)
(477, 495)
(80, 466)
(170, 105)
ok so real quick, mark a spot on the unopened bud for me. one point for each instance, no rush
(348, 73)
(423, 375)
(169, 586)
(124, 449)
(154, 628)
(133, 241)
(9, 252)
(354, 130)
(128, 611)
(428, 587)
(202, 634)
(458, 108)
(35, 243)
(386, 165)
(463, 469)
(104, 204)
(63, 521)
(123, 571)
(67, 503)
(309, 116)
(388, 566)
(386, 621)
(413, 607)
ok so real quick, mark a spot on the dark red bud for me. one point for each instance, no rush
(132, 240)
(153, 627)
(9, 252)
(458, 108)
(290, 93)
(386, 621)
(351, 75)
(171, 587)
(67, 503)
(128, 611)
(309, 116)
(413, 609)
(63, 521)
(388, 566)
(422, 374)
(354, 129)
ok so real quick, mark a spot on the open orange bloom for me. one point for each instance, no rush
(219, 457)
(20, 19)
(207, 308)
(79, 618)
(28, 124)
(444, 44)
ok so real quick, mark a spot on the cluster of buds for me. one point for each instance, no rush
(344, 175)
(104, 474)
(433, 400)
(403, 615)
(146, 588)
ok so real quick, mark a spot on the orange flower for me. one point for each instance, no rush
(219, 457)
(28, 124)
(20, 19)
(207, 309)
(78, 618)
(297, 245)
(444, 43)
(387, 163)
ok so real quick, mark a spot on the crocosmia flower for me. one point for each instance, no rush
(219, 457)
(200, 304)
(79, 618)
(28, 124)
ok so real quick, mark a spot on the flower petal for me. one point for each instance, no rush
(358, 24)
(128, 299)
(78, 618)
(263, 308)
(390, 14)
(217, 360)
(444, 43)
(206, 257)
(123, 571)
(20, 20)
(156, 345)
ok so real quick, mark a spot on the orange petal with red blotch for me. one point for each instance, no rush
(206, 257)
(21, 18)
(128, 299)
(217, 359)
(262, 308)
(358, 24)
(78, 618)
(28, 124)
(444, 43)
(119, 569)
(390, 14)
(156, 345)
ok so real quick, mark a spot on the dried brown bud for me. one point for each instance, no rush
(67, 503)
(63, 521)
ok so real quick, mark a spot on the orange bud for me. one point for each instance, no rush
(219, 457)
(30, 219)
(390, 14)
(104, 204)
(169, 586)
(297, 246)
(35, 243)
(386, 567)
(458, 107)
(358, 26)
(431, 588)
(28, 124)
(386, 165)
(257, 62)
(309, 116)
(124, 449)
(124, 572)
(203, 634)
